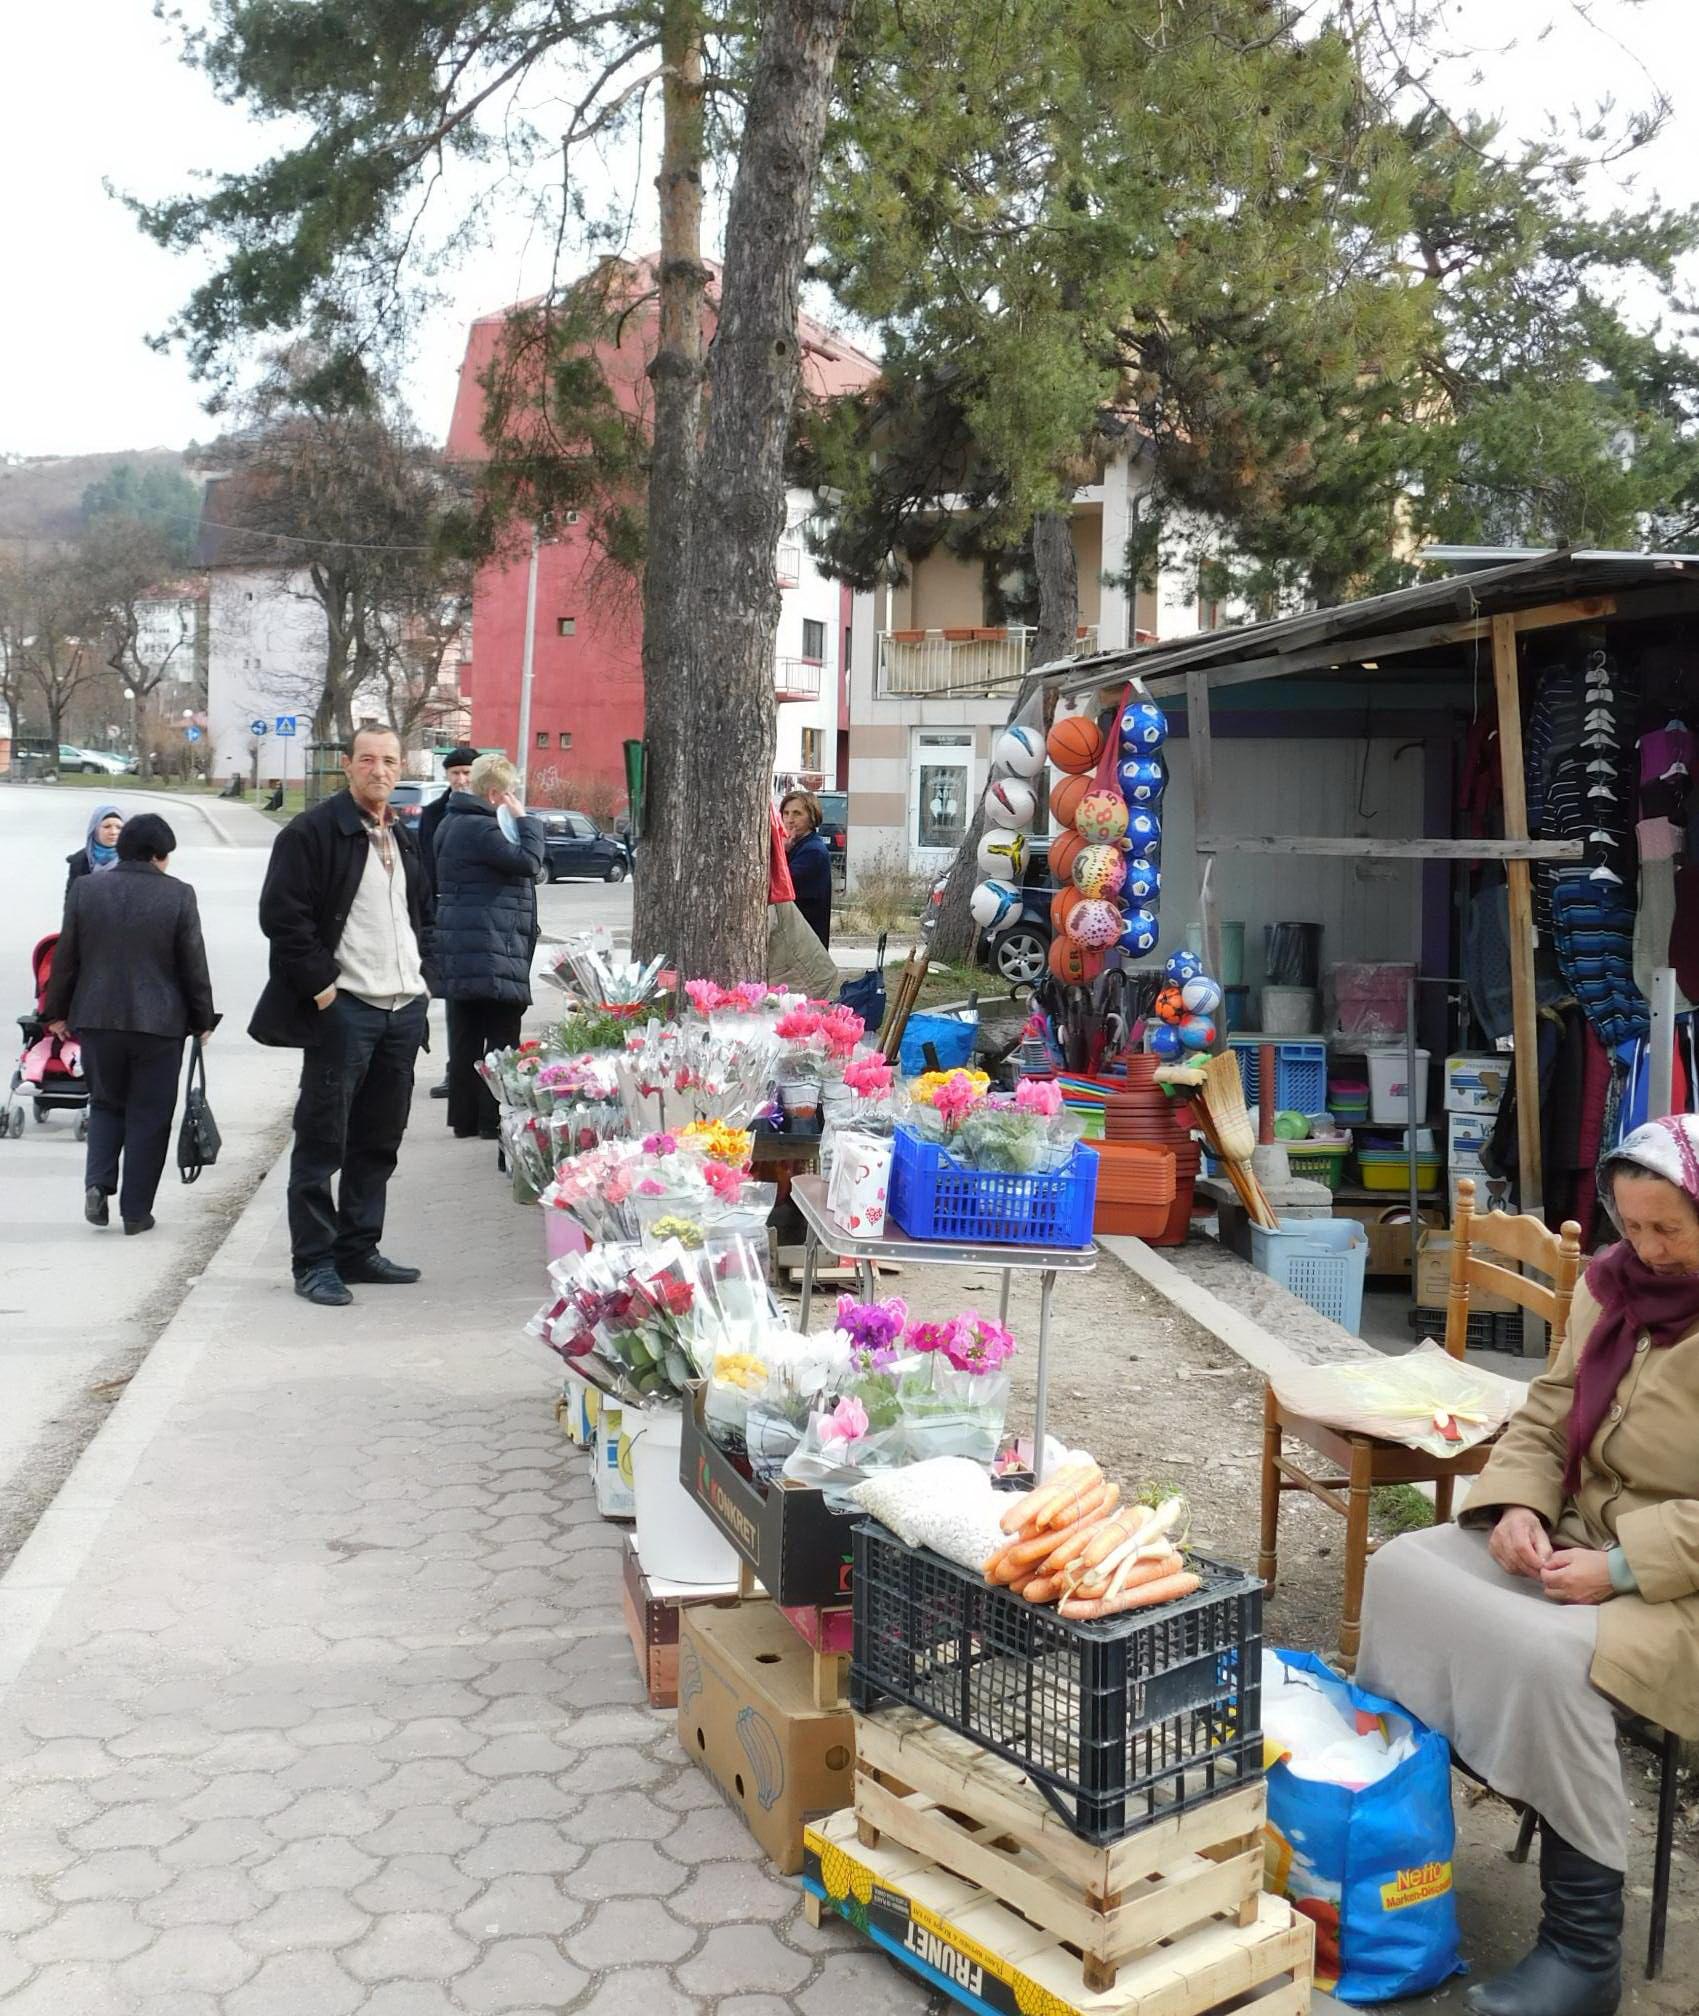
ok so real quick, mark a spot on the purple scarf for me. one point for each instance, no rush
(1631, 1298)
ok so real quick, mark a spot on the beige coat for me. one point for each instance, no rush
(1639, 1489)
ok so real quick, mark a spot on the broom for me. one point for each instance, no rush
(1230, 1122)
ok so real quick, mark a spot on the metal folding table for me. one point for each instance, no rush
(809, 1195)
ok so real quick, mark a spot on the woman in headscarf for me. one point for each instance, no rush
(99, 850)
(1569, 1588)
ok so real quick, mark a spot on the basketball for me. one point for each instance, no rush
(1072, 964)
(1064, 852)
(1061, 904)
(1099, 871)
(1020, 751)
(1000, 856)
(1065, 799)
(1095, 924)
(1101, 815)
(1074, 744)
(1011, 804)
(1142, 884)
(994, 904)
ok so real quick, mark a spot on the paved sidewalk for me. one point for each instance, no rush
(315, 1696)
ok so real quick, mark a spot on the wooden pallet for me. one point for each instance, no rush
(955, 1936)
(970, 1813)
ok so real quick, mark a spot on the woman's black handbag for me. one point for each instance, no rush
(198, 1138)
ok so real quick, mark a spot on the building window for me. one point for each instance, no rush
(813, 641)
(564, 738)
(542, 738)
(811, 749)
(566, 626)
(941, 780)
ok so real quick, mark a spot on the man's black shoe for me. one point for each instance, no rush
(325, 1287)
(440, 1091)
(94, 1206)
(377, 1272)
(134, 1225)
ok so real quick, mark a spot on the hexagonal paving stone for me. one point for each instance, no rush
(423, 1830)
(627, 1929)
(304, 1918)
(517, 1974)
(518, 1906)
(56, 1991)
(189, 1959)
(722, 1893)
(307, 1865)
(849, 1984)
(735, 1959)
(715, 1834)
(22, 1907)
(417, 1883)
(291, 1984)
(624, 1869)
(645, 1988)
(115, 1872)
(206, 1897)
(409, 1945)
(104, 1931)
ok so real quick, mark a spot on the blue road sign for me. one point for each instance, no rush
(191, 733)
(286, 724)
(259, 729)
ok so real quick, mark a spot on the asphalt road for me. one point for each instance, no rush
(79, 1308)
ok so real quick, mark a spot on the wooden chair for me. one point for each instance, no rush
(1366, 1461)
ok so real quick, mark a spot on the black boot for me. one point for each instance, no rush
(1575, 1968)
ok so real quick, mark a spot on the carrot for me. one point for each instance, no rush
(1082, 1534)
(1124, 1531)
(1095, 1588)
(1039, 1589)
(1023, 1585)
(1168, 1590)
(1029, 1554)
(1023, 1511)
(1060, 1512)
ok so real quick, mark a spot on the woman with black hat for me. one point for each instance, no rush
(457, 768)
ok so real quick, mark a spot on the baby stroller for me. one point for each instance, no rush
(49, 1073)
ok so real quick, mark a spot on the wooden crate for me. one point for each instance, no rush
(954, 1935)
(652, 1616)
(970, 1813)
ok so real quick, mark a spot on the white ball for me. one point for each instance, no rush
(1200, 995)
(1000, 855)
(1020, 751)
(993, 904)
(1010, 804)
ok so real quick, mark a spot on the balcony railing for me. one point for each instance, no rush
(797, 678)
(918, 662)
(787, 563)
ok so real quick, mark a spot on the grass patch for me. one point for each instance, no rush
(1399, 1508)
(195, 788)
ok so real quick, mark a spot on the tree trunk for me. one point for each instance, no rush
(664, 892)
(1057, 567)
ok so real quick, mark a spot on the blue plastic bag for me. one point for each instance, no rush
(952, 1040)
(1371, 1866)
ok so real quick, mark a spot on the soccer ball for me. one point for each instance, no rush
(1101, 815)
(1000, 855)
(1011, 805)
(993, 904)
(1020, 751)
(1168, 1006)
(1163, 1042)
(1142, 779)
(1183, 966)
(1099, 871)
(1141, 933)
(1145, 832)
(1201, 995)
(1143, 726)
(1197, 1032)
(1095, 925)
(1142, 883)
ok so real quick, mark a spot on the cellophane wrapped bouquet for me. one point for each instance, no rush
(691, 1186)
(603, 981)
(672, 1074)
(1027, 1134)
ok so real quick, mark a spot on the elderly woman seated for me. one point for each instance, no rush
(1568, 1588)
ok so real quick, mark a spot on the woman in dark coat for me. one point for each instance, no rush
(486, 931)
(810, 861)
(130, 981)
(99, 851)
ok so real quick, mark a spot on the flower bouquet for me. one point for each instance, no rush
(589, 969)
(1031, 1133)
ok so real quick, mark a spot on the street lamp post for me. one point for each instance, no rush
(522, 755)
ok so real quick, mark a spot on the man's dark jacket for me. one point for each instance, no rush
(310, 886)
(486, 903)
(130, 956)
(429, 820)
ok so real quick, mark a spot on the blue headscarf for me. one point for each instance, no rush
(100, 857)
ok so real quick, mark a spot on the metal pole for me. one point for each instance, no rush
(522, 755)
(1410, 1124)
(1041, 1411)
(1661, 1048)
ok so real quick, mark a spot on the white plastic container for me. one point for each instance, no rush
(676, 1540)
(1290, 1011)
(1390, 1091)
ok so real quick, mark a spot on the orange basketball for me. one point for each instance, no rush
(1065, 799)
(1072, 964)
(1064, 849)
(1061, 904)
(1074, 744)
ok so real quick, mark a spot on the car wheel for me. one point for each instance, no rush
(1020, 956)
(553, 874)
(616, 871)
(91, 769)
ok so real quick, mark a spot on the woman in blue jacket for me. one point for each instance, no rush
(810, 861)
(489, 858)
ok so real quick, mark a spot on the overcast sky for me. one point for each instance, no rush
(97, 93)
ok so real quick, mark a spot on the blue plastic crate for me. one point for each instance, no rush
(1320, 1260)
(1300, 1073)
(934, 1197)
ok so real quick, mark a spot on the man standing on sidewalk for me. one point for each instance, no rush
(348, 912)
(457, 768)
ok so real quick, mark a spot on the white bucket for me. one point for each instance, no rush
(676, 1540)
(1290, 1011)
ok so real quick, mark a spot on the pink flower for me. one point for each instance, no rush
(846, 1423)
(797, 1025)
(725, 1181)
(1042, 1096)
(660, 1144)
(703, 996)
(953, 1098)
(869, 1077)
(977, 1344)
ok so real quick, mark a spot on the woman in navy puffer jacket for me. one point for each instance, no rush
(486, 931)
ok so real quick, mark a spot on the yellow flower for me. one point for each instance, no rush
(926, 1085)
(722, 1143)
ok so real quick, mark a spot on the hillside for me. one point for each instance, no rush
(41, 495)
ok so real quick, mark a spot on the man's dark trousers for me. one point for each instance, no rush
(132, 1081)
(356, 1091)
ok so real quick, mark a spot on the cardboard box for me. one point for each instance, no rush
(1476, 1083)
(652, 1621)
(1388, 1227)
(799, 1550)
(746, 1716)
(1466, 1135)
(1433, 1280)
(615, 1498)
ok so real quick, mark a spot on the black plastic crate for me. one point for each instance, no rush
(1489, 1329)
(1118, 1722)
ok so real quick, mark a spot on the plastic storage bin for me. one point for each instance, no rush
(1119, 1722)
(1320, 1260)
(1300, 1072)
(933, 1197)
(1389, 1169)
(1391, 1095)
(1318, 1161)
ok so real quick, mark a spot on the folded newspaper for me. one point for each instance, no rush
(1426, 1399)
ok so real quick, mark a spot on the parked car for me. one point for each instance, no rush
(834, 829)
(91, 762)
(1019, 951)
(410, 800)
(578, 850)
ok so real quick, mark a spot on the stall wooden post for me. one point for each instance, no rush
(1202, 757)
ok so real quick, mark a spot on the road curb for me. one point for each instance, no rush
(51, 1559)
